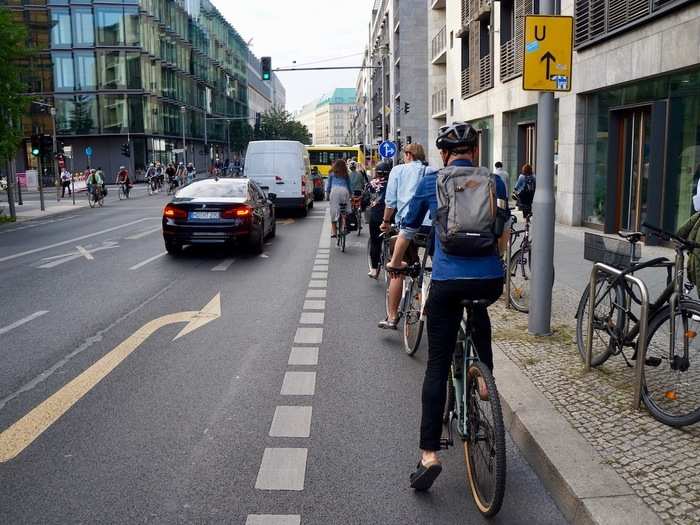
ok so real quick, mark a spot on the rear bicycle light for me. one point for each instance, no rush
(173, 212)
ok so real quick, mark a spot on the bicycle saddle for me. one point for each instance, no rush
(631, 236)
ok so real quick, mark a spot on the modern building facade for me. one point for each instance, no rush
(334, 116)
(627, 137)
(395, 96)
(307, 116)
(141, 72)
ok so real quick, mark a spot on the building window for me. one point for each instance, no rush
(63, 75)
(76, 115)
(112, 70)
(136, 121)
(131, 25)
(60, 28)
(133, 71)
(85, 71)
(113, 114)
(110, 26)
(83, 27)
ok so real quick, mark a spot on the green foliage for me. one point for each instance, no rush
(278, 124)
(13, 105)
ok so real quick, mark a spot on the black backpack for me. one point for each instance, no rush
(525, 196)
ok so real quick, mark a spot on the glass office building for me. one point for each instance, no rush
(142, 72)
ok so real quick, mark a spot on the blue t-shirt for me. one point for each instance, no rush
(449, 267)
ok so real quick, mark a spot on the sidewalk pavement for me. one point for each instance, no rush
(31, 207)
(602, 461)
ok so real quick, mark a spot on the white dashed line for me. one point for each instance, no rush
(314, 305)
(282, 469)
(311, 336)
(319, 275)
(318, 283)
(303, 356)
(223, 265)
(299, 384)
(316, 293)
(320, 268)
(147, 261)
(25, 320)
(311, 318)
(144, 234)
(273, 519)
(291, 421)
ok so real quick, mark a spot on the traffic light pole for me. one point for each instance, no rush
(10, 190)
(56, 175)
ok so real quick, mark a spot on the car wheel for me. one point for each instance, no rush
(304, 211)
(173, 248)
(257, 244)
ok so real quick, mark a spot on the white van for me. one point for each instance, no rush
(281, 166)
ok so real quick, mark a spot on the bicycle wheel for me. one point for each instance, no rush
(122, 193)
(485, 446)
(359, 222)
(520, 278)
(386, 257)
(342, 243)
(91, 200)
(608, 321)
(671, 390)
(101, 200)
(412, 324)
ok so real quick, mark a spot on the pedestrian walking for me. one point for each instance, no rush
(502, 173)
(524, 191)
(66, 178)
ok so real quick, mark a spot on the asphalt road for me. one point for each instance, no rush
(142, 427)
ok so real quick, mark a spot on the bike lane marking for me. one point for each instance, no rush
(147, 261)
(76, 239)
(83, 252)
(143, 234)
(291, 421)
(223, 265)
(273, 519)
(23, 321)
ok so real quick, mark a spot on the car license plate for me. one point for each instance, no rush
(204, 215)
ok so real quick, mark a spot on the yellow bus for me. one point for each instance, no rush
(323, 156)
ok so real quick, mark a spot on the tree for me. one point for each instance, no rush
(13, 49)
(278, 124)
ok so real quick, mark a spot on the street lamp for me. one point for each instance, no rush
(183, 110)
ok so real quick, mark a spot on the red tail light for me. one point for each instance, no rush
(238, 212)
(173, 212)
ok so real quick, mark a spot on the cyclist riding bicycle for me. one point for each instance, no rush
(377, 192)
(338, 192)
(403, 181)
(524, 191)
(455, 278)
(123, 178)
(170, 173)
(94, 182)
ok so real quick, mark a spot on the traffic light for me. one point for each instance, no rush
(126, 150)
(409, 139)
(258, 119)
(266, 63)
(46, 146)
(406, 107)
(35, 146)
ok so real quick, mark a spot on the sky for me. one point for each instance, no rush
(304, 31)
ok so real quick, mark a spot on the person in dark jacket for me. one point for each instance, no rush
(377, 191)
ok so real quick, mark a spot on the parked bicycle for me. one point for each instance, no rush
(671, 387)
(520, 266)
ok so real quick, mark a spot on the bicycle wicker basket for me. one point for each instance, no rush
(614, 252)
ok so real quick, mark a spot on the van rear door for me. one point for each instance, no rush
(289, 174)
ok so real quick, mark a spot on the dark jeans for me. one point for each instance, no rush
(444, 315)
(65, 184)
(376, 241)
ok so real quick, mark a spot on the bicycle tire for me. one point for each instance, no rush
(661, 401)
(520, 283)
(122, 194)
(412, 323)
(91, 200)
(386, 257)
(604, 347)
(101, 200)
(487, 493)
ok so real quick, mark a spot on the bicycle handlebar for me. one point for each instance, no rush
(668, 236)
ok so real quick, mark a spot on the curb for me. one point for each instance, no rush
(586, 489)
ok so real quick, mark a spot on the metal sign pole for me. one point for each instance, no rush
(539, 317)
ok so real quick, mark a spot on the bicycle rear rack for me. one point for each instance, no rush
(643, 324)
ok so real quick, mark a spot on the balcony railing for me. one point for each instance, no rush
(465, 82)
(511, 60)
(439, 45)
(439, 102)
(475, 81)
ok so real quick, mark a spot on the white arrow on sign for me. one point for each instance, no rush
(26, 430)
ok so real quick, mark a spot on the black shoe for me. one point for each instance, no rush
(425, 475)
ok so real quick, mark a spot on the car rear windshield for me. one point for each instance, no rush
(214, 188)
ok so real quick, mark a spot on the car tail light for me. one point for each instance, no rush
(237, 212)
(173, 212)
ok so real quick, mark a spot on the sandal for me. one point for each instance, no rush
(425, 475)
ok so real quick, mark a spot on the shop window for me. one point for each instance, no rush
(60, 28)
(83, 27)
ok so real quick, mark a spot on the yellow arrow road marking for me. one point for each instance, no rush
(23, 432)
